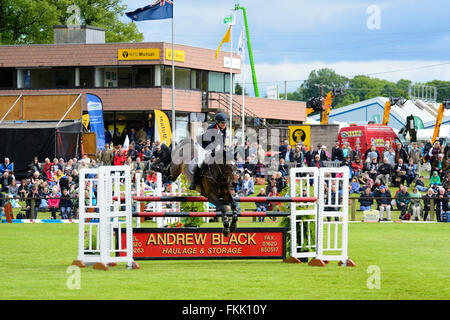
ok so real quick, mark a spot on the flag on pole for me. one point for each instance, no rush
(161, 9)
(226, 38)
(240, 49)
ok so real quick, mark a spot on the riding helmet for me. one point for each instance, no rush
(221, 117)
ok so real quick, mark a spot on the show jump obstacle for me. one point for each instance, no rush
(318, 213)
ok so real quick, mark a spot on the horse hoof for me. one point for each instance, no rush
(226, 232)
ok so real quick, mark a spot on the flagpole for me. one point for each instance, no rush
(243, 104)
(231, 85)
(174, 135)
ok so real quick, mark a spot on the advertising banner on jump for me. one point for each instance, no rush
(208, 243)
(95, 111)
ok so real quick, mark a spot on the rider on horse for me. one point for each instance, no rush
(219, 128)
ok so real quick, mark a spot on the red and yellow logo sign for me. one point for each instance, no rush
(208, 243)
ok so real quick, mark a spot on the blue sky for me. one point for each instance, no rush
(290, 38)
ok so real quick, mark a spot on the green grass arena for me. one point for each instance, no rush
(411, 261)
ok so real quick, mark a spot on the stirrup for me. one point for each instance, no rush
(192, 186)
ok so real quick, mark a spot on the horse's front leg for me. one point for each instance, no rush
(220, 206)
(229, 198)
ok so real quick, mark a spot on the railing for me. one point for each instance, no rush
(353, 201)
(224, 101)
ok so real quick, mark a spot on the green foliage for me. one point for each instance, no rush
(31, 21)
(190, 206)
(443, 89)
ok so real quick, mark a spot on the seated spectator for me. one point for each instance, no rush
(5, 181)
(6, 165)
(411, 171)
(47, 170)
(332, 199)
(281, 182)
(274, 206)
(272, 183)
(35, 166)
(376, 186)
(147, 153)
(366, 200)
(347, 162)
(435, 179)
(132, 152)
(2, 203)
(261, 206)
(69, 167)
(247, 185)
(389, 154)
(440, 165)
(65, 205)
(416, 205)
(249, 167)
(120, 158)
(402, 201)
(13, 192)
(32, 201)
(138, 167)
(372, 153)
(385, 171)
(420, 184)
(325, 153)
(441, 203)
(384, 203)
(356, 166)
(236, 184)
(427, 203)
(53, 202)
(259, 170)
(23, 189)
(43, 193)
(372, 168)
(283, 168)
(317, 162)
(399, 173)
(354, 186)
(368, 182)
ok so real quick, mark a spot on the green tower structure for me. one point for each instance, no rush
(237, 6)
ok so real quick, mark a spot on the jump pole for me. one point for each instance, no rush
(204, 199)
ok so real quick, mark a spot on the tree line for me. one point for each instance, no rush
(359, 88)
(32, 21)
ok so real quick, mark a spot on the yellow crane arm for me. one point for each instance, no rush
(438, 123)
(387, 111)
(327, 107)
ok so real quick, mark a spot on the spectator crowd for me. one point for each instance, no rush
(381, 179)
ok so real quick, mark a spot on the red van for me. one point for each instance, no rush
(366, 135)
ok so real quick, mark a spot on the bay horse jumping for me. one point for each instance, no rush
(214, 182)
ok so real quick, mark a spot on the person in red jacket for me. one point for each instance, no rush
(120, 158)
(53, 202)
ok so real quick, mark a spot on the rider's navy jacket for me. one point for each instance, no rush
(207, 139)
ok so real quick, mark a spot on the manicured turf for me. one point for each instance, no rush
(413, 260)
